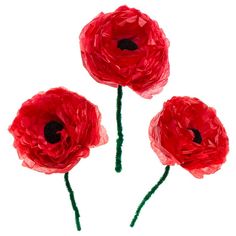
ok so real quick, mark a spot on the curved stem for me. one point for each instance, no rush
(148, 195)
(72, 199)
(120, 138)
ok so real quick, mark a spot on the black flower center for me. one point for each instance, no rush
(127, 44)
(51, 133)
(197, 136)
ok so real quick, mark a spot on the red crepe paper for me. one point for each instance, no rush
(187, 132)
(55, 129)
(126, 48)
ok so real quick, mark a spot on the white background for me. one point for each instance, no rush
(39, 49)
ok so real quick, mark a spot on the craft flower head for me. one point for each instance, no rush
(126, 48)
(187, 132)
(55, 129)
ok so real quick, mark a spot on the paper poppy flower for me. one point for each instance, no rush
(126, 48)
(187, 132)
(55, 129)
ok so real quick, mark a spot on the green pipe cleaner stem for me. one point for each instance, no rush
(148, 195)
(72, 199)
(120, 138)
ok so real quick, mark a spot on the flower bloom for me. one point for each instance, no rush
(126, 48)
(55, 129)
(187, 132)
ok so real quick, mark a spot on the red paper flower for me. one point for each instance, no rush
(54, 130)
(126, 48)
(187, 132)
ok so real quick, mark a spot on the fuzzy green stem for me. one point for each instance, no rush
(120, 138)
(72, 199)
(148, 195)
